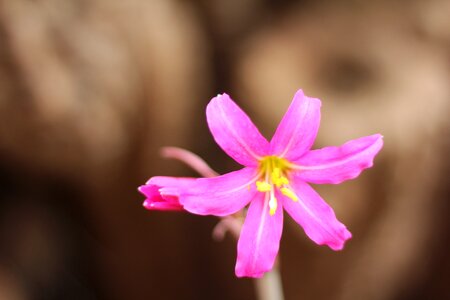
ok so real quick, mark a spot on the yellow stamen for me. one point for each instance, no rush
(263, 186)
(277, 179)
(288, 193)
(281, 181)
(275, 174)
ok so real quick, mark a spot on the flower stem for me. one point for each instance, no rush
(190, 159)
(270, 287)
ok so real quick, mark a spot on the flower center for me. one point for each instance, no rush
(274, 172)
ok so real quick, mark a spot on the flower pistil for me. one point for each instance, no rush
(274, 171)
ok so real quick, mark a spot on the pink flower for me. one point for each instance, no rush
(276, 176)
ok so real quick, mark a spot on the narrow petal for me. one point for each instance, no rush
(297, 131)
(222, 195)
(235, 132)
(337, 164)
(315, 216)
(260, 238)
(157, 198)
(169, 181)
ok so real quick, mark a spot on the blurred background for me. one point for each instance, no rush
(91, 89)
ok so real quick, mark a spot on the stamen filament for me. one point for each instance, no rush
(273, 204)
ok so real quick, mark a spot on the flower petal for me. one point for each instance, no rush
(260, 238)
(222, 195)
(297, 131)
(234, 131)
(315, 216)
(337, 164)
(159, 199)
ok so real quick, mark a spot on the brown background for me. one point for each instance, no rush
(91, 89)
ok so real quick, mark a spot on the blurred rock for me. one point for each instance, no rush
(80, 80)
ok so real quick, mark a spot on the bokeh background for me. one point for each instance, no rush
(91, 89)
